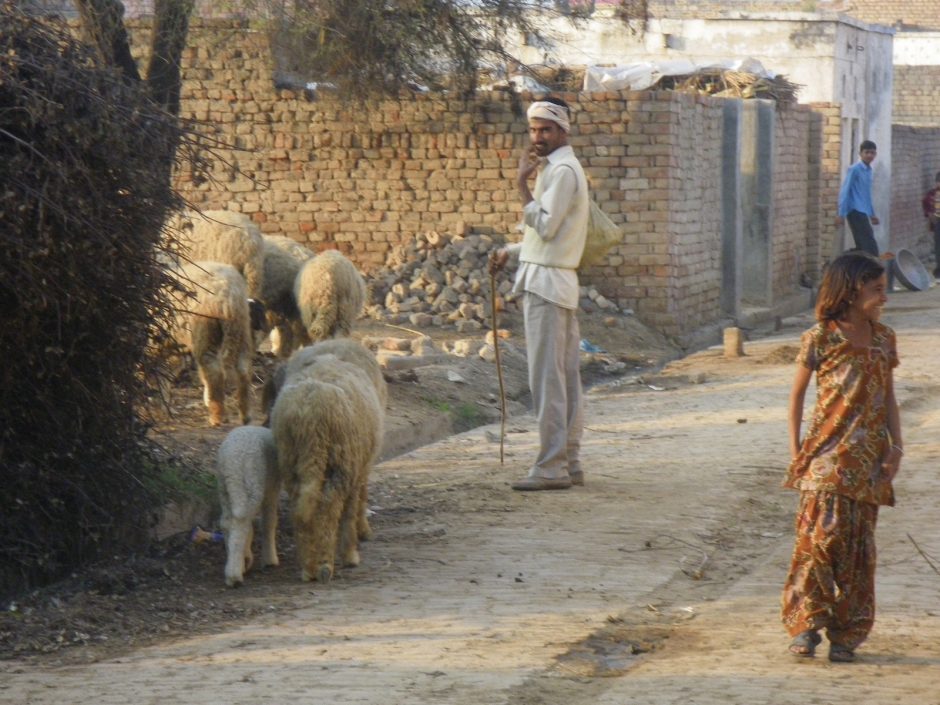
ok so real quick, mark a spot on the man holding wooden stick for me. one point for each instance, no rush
(555, 217)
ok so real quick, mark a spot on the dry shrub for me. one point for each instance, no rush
(84, 189)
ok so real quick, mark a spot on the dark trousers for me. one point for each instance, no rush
(864, 236)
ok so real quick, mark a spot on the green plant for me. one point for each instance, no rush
(467, 416)
(464, 416)
(175, 481)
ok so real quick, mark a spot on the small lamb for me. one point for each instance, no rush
(249, 485)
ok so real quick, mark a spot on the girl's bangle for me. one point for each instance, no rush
(899, 449)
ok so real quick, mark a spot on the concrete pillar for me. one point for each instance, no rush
(731, 216)
(757, 153)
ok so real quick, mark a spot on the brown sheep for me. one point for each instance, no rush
(214, 324)
(227, 237)
(344, 348)
(283, 259)
(327, 424)
(330, 293)
(349, 351)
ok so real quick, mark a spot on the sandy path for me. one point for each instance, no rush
(675, 550)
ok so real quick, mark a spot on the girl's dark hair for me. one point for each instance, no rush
(843, 278)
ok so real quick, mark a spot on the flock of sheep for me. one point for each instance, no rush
(325, 403)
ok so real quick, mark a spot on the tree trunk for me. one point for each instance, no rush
(170, 29)
(103, 28)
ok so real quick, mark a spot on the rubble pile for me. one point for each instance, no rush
(440, 279)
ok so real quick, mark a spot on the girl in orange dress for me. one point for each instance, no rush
(844, 466)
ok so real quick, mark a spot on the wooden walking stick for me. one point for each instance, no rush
(499, 369)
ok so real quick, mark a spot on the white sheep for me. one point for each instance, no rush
(227, 237)
(289, 245)
(330, 294)
(327, 423)
(214, 324)
(283, 258)
(249, 485)
(345, 349)
(349, 351)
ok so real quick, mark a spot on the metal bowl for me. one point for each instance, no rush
(910, 272)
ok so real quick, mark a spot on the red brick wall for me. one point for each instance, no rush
(793, 188)
(364, 178)
(828, 241)
(915, 155)
(916, 99)
(911, 14)
(668, 196)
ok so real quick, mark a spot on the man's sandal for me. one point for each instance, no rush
(804, 644)
(841, 654)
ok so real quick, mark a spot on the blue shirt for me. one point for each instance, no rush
(856, 191)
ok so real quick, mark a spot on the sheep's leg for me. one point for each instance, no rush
(238, 535)
(269, 525)
(213, 381)
(283, 339)
(363, 529)
(243, 382)
(249, 539)
(277, 341)
(349, 530)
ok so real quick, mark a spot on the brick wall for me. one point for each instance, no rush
(827, 147)
(668, 189)
(793, 188)
(911, 14)
(916, 95)
(364, 178)
(692, 204)
(915, 152)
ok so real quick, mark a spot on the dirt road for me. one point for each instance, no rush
(656, 583)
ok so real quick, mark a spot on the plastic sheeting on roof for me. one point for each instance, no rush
(640, 76)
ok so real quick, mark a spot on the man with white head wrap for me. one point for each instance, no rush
(555, 218)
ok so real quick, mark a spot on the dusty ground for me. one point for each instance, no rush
(174, 589)
(657, 582)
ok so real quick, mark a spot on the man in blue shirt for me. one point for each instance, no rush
(855, 200)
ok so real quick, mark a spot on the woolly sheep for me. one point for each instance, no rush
(249, 485)
(327, 425)
(283, 258)
(214, 324)
(289, 245)
(345, 349)
(330, 293)
(226, 237)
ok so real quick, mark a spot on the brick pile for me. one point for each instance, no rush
(439, 279)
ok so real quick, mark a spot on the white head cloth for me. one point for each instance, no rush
(543, 110)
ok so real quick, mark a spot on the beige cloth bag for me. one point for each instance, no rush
(602, 234)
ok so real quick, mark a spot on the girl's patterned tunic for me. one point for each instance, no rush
(848, 435)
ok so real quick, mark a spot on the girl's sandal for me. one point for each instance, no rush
(841, 654)
(804, 644)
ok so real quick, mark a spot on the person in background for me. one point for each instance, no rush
(931, 205)
(855, 204)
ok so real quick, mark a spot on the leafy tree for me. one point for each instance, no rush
(365, 47)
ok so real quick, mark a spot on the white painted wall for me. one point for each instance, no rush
(917, 49)
(835, 58)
